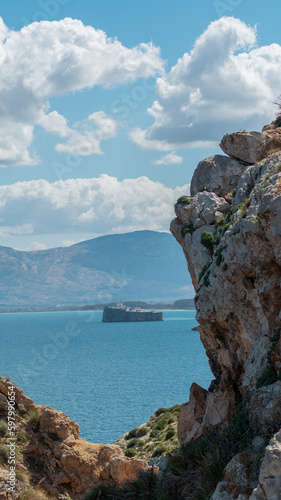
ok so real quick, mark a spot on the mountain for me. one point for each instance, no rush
(143, 265)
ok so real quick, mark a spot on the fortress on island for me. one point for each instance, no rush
(121, 313)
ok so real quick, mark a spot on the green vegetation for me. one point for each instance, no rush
(3, 428)
(238, 207)
(4, 453)
(255, 221)
(208, 240)
(225, 267)
(130, 453)
(205, 269)
(146, 486)
(160, 450)
(184, 200)
(269, 376)
(243, 207)
(218, 254)
(159, 433)
(225, 228)
(220, 222)
(22, 409)
(187, 229)
(277, 122)
(234, 192)
(170, 433)
(262, 186)
(34, 494)
(33, 419)
(137, 433)
(193, 469)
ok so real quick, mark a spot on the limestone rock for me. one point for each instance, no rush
(251, 147)
(218, 174)
(241, 473)
(21, 398)
(238, 305)
(269, 486)
(56, 422)
(205, 208)
(190, 418)
(265, 405)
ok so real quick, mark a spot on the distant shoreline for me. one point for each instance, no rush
(178, 305)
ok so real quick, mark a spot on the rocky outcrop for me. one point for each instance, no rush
(232, 244)
(252, 147)
(269, 482)
(223, 173)
(51, 453)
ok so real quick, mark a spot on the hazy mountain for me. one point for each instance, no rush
(143, 265)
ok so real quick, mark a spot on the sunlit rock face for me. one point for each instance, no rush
(231, 237)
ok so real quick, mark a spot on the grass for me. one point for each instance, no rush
(4, 453)
(34, 494)
(3, 428)
(146, 487)
(33, 419)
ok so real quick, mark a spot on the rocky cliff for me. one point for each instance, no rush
(51, 460)
(230, 232)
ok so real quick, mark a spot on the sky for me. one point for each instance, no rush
(107, 107)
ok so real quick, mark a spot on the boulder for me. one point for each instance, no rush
(251, 147)
(218, 174)
(190, 417)
(269, 486)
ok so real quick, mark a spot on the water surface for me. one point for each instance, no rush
(107, 377)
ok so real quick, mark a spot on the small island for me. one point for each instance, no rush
(121, 313)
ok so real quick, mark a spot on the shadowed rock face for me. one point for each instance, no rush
(237, 283)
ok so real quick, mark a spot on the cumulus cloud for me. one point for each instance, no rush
(85, 138)
(100, 205)
(225, 83)
(48, 59)
(169, 159)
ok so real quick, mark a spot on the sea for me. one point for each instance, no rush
(107, 377)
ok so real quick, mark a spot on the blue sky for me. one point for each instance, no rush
(100, 131)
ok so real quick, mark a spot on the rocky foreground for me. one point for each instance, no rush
(49, 453)
(230, 231)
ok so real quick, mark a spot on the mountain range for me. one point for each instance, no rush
(142, 265)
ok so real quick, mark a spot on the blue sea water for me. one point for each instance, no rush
(107, 377)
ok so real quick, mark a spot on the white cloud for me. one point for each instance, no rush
(85, 137)
(36, 245)
(225, 83)
(48, 59)
(54, 123)
(169, 159)
(75, 206)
